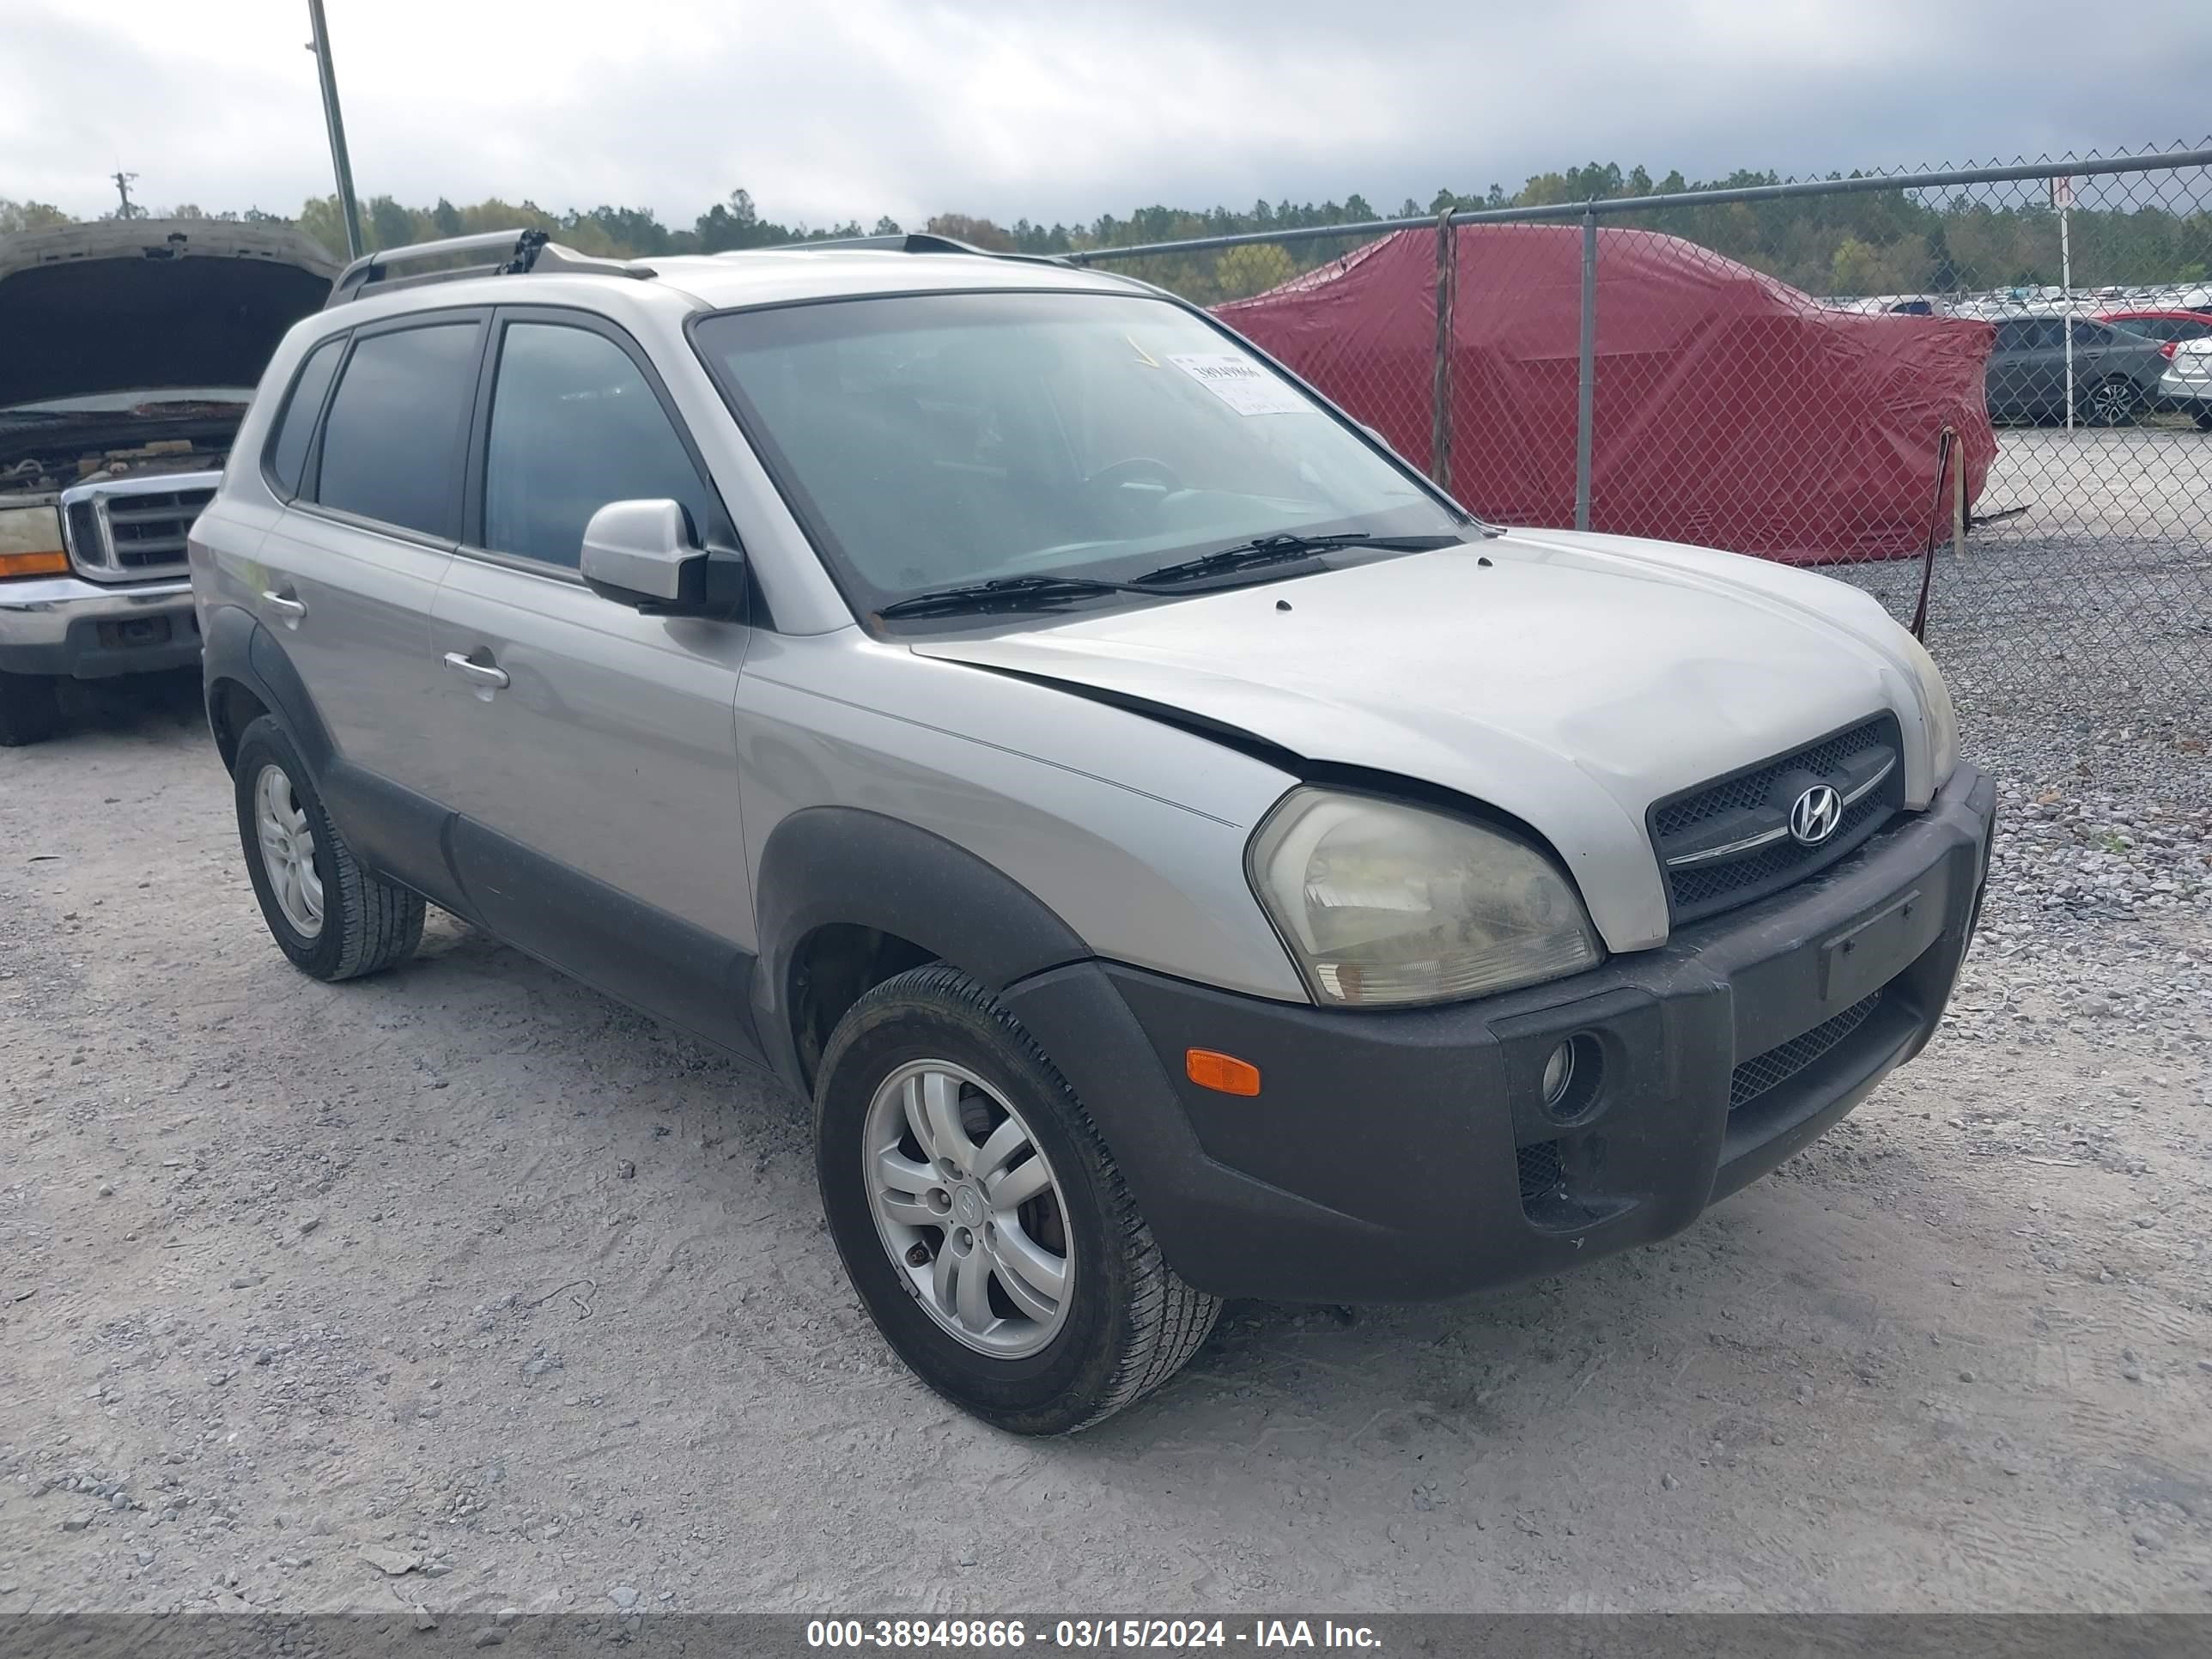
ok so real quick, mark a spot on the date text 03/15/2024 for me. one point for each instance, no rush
(1088, 1634)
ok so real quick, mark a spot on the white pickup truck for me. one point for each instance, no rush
(129, 350)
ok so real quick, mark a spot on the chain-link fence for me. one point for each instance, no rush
(2013, 364)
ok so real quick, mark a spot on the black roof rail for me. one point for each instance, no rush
(911, 241)
(511, 253)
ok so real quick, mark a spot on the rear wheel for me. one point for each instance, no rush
(30, 709)
(332, 918)
(2204, 420)
(981, 1218)
(2115, 401)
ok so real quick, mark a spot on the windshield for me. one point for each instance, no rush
(933, 439)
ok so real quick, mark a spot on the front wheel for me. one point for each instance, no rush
(981, 1218)
(30, 710)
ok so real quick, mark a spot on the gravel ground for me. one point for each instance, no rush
(2084, 605)
(465, 1289)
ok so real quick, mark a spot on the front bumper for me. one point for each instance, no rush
(85, 631)
(1407, 1155)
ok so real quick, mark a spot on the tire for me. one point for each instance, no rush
(30, 710)
(365, 924)
(2203, 418)
(1122, 1322)
(2114, 401)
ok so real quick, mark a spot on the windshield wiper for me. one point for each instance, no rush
(1286, 549)
(1004, 593)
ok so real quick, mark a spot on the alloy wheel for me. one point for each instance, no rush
(288, 851)
(969, 1208)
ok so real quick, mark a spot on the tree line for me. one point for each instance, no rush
(2127, 228)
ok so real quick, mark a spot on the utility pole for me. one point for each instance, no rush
(129, 209)
(348, 210)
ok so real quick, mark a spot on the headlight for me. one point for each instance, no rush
(31, 542)
(1935, 706)
(1384, 904)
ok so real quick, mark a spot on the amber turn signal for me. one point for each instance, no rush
(55, 563)
(1225, 1073)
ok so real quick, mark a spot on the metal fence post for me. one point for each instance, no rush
(1440, 421)
(1586, 373)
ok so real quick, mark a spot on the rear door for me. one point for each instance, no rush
(348, 574)
(591, 751)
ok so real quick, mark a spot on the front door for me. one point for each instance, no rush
(591, 751)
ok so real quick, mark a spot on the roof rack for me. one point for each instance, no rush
(513, 253)
(911, 241)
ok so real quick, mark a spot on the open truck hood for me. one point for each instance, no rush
(1572, 680)
(132, 304)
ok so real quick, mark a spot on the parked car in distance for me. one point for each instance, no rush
(2169, 327)
(1180, 851)
(2177, 391)
(2186, 385)
(2116, 373)
(129, 350)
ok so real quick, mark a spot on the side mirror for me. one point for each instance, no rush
(642, 554)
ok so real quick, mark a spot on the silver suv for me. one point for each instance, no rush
(1181, 852)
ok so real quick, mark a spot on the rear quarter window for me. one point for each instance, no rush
(398, 427)
(287, 450)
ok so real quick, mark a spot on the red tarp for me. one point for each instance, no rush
(1730, 410)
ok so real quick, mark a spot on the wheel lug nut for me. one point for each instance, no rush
(917, 1255)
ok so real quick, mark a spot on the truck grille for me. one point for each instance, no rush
(133, 529)
(1728, 843)
(1786, 1059)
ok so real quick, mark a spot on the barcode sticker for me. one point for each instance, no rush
(1241, 384)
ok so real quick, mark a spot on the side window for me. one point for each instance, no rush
(2050, 332)
(398, 427)
(288, 443)
(2013, 336)
(2091, 334)
(575, 425)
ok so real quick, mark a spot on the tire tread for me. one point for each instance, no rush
(1169, 1320)
(377, 923)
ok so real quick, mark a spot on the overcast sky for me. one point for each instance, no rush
(1056, 109)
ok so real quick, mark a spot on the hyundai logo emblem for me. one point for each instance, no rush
(1815, 815)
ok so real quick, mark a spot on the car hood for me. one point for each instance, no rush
(139, 303)
(1570, 680)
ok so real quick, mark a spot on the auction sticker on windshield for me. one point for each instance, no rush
(1239, 382)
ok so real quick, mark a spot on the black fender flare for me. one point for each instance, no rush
(236, 649)
(826, 865)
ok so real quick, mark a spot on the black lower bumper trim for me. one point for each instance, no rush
(1407, 1155)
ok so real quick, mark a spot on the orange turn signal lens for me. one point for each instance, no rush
(55, 563)
(1225, 1073)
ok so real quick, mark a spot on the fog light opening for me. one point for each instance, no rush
(1570, 1076)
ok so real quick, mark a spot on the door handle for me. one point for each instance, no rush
(484, 674)
(284, 605)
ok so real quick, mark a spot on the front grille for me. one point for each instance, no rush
(1752, 805)
(1715, 886)
(146, 533)
(128, 529)
(1786, 1059)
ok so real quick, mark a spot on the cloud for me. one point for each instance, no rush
(1052, 112)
